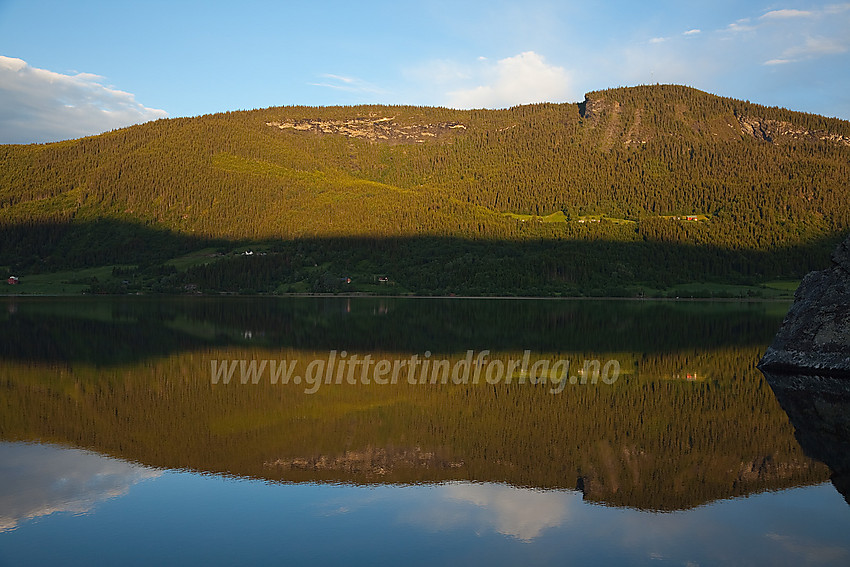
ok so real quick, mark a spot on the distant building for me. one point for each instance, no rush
(13, 280)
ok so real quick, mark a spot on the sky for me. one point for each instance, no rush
(75, 68)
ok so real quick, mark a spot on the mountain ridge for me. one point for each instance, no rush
(629, 165)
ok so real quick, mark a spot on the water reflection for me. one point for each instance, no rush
(521, 513)
(651, 466)
(39, 480)
(222, 520)
(132, 379)
(819, 409)
(123, 330)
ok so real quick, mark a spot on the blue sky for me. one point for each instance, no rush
(72, 68)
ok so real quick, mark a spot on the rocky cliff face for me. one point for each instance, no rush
(374, 129)
(815, 335)
(775, 131)
(623, 122)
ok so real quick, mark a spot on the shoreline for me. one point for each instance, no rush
(411, 296)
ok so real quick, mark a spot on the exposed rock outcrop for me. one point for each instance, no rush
(594, 108)
(815, 335)
(374, 129)
(777, 130)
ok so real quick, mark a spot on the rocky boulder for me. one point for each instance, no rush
(815, 336)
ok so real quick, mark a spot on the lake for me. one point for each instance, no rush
(371, 431)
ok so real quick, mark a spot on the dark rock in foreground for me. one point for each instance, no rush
(815, 335)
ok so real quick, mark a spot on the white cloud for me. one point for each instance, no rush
(662, 39)
(37, 105)
(784, 14)
(740, 26)
(731, 55)
(792, 35)
(39, 480)
(522, 79)
(520, 513)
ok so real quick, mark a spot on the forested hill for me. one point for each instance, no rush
(652, 185)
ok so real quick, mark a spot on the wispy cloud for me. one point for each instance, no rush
(347, 84)
(811, 48)
(689, 33)
(786, 14)
(740, 26)
(346, 80)
(778, 61)
(756, 54)
(815, 46)
(37, 105)
(792, 35)
(521, 79)
(836, 8)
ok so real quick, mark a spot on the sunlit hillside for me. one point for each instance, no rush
(647, 186)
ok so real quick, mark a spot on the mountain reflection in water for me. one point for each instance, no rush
(688, 426)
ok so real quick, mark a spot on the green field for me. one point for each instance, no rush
(71, 282)
(561, 217)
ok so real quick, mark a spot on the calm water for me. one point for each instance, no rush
(417, 431)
